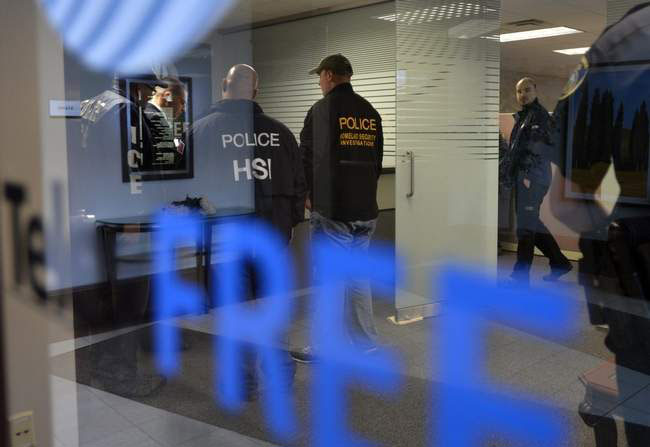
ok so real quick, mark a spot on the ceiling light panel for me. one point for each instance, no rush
(537, 34)
(437, 13)
(572, 51)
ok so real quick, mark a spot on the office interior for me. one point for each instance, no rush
(445, 88)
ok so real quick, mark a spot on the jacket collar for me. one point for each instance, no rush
(236, 106)
(345, 87)
(532, 107)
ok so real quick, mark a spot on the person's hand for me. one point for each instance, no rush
(180, 146)
(308, 203)
(527, 183)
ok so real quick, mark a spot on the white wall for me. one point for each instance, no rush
(31, 155)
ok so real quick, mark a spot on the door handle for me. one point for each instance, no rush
(411, 157)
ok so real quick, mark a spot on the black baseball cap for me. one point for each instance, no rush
(336, 63)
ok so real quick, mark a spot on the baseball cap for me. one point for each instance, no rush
(336, 63)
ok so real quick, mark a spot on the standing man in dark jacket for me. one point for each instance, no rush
(342, 143)
(529, 171)
(254, 156)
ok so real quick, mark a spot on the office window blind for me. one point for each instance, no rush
(284, 53)
(616, 9)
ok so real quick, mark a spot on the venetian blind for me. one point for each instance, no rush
(284, 53)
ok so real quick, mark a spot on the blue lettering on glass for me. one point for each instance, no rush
(261, 328)
(470, 405)
(339, 360)
(173, 296)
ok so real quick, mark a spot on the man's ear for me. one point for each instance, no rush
(224, 86)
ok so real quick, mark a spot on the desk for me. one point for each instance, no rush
(109, 227)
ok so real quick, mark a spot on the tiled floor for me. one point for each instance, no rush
(534, 368)
(86, 417)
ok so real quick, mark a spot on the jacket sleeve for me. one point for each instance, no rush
(307, 151)
(299, 184)
(380, 148)
(541, 134)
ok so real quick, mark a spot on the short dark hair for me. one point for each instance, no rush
(173, 84)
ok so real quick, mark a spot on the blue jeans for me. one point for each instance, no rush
(358, 311)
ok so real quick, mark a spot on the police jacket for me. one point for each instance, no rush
(530, 148)
(609, 88)
(257, 156)
(342, 146)
(602, 120)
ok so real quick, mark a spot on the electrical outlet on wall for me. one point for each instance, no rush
(21, 430)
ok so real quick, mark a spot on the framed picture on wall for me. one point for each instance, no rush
(155, 141)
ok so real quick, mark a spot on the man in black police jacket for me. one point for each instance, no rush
(342, 143)
(256, 155)
(253, 156)
(527, 169)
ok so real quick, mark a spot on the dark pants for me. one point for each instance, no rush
(531, 231)
(253, 290)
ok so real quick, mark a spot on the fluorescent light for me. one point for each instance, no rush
(538, 34)
(572, 51)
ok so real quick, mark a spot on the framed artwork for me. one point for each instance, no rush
(155, 140)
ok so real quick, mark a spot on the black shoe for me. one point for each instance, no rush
(305, 355)
(558, 272)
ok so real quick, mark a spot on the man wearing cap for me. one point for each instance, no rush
(342, 147)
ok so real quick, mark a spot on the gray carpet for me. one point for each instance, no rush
(398, 420)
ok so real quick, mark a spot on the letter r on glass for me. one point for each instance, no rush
(262, 328)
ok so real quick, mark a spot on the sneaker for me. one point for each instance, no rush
(558, 272)
(305, 355)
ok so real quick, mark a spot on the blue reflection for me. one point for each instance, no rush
(173, 297)
(340, 362)
(470, 405)
(130, 36)
(261, 328)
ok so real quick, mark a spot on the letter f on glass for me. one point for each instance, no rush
(173, 297)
